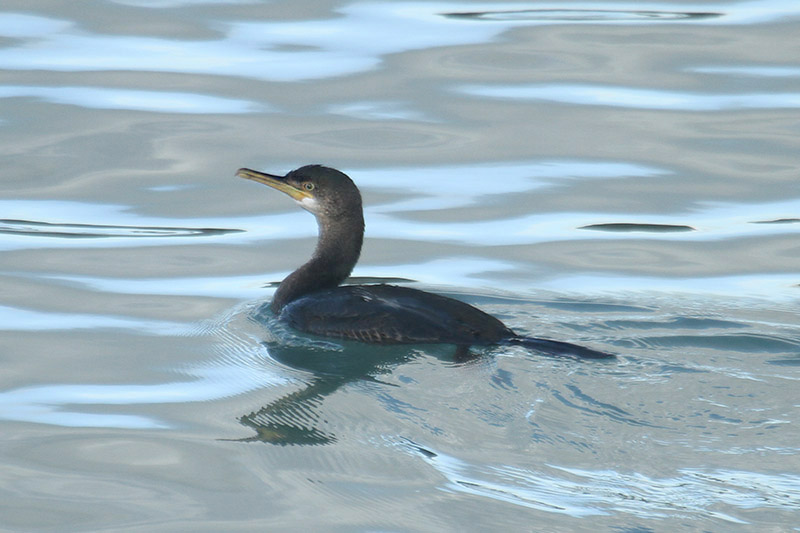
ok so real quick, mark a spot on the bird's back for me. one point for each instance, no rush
(388, 314)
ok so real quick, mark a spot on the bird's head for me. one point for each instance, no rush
(323, 191)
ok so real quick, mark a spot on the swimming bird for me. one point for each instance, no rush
(311, 299)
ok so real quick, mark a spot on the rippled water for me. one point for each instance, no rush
(620, 175)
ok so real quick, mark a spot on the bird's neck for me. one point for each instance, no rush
(337, 252)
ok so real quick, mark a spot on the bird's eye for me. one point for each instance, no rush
(308, 186)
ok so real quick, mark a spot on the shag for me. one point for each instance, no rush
(311, 299)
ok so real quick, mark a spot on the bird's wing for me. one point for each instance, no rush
(386, 314)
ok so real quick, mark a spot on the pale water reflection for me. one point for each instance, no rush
(456, 188)
(585, 493)
(115, 98)
(751, 70)
(19, 319)
(639, 98)
(354, 41)
(235, 368)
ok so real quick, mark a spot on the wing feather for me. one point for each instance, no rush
(390, 314)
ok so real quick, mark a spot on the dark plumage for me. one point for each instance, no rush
(311, 300)
(388, 314)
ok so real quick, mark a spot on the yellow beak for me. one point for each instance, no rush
(276, 182)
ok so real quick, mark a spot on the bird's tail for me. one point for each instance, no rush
(558, 348)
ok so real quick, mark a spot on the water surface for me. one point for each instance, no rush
(615, 174)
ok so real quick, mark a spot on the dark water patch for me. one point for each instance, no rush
(720, 418)
(592, 307)
(399, 407)
(345, 360)
(284, 434)
(34, 228)
(502, 379)
(778, 221)
(737, 343)
(295, 418)
(623, 227)
(409, 411)
(596, 407)
(492, 415)
(680, 322)
(790, 361)
(418, 448)
(585, 397)
(582, 15)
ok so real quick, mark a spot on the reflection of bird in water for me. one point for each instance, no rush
(311, 300)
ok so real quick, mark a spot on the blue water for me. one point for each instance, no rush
(618, 175)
